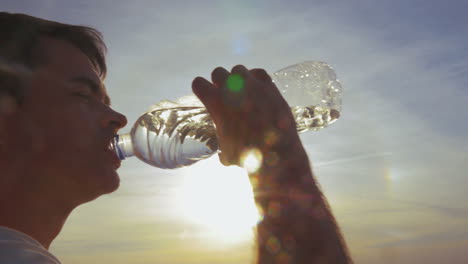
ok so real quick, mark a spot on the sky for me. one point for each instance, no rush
(393, 167)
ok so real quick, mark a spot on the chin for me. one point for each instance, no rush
(101, 184)
(111, 183)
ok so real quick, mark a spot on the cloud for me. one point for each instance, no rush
(435, 238)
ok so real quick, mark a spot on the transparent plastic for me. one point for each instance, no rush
(177, 134)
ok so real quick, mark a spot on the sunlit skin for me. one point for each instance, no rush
(297, 225)
(54, 146)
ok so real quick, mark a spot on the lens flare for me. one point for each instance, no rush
(235, 83)
(251, 160)
(240, 45)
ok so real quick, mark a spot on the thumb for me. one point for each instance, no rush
(227, 160)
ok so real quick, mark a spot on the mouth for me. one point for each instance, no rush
(113, 154)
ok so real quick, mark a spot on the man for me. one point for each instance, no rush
(56, 129)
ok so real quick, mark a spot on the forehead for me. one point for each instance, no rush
(65, 57)
(69, 62)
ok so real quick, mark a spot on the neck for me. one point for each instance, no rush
(36, 215)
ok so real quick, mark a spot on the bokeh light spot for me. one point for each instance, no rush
(271, 159)
(274, 209)
(271, 137)
(251, 160)
(284, 258)
(240, 45)
(273, 245)
(235, 83)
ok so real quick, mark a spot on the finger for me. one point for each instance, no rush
(223, 159)
(208, 94)
(228, 157)
(241, 70)
(219, 76)
(261, 74)
(270, 86)
(239, 80)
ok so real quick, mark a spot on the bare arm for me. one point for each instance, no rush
(297, 225)
(250, 114)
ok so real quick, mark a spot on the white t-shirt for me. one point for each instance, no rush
(19, 248)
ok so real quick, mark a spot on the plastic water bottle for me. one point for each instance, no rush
(177, 134)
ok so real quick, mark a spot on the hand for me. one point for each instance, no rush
(249, 112)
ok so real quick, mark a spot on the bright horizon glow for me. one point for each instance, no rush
(219, 200)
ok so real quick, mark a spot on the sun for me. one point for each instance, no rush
(219, 200)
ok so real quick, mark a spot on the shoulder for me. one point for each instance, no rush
(15, 249)
(21, 253)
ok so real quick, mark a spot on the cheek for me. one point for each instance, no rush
(67, 132)
(82, 130)
(28, 137)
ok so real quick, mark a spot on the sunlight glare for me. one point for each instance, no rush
(219, 200)
(251, 160)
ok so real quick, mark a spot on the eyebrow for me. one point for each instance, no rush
(95, 87)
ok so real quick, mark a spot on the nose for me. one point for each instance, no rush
(121, 120)
(114, 119)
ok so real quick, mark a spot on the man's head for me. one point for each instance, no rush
(20, 50)
(55, 136)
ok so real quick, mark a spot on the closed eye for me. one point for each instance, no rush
(84, 87)
(84, 93)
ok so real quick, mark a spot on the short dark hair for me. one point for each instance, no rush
(19, 38)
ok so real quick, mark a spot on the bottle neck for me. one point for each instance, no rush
(123, 146)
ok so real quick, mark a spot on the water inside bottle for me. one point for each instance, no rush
(179, 136)
(174, 137)
(313, 117)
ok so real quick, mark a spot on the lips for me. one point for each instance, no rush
(113, 155)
